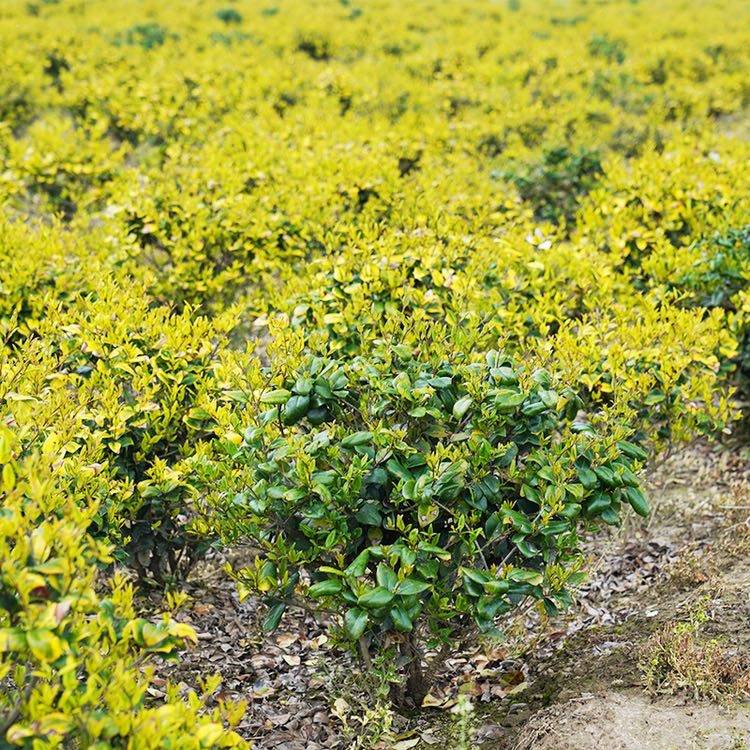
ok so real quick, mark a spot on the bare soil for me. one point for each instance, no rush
(628, 720)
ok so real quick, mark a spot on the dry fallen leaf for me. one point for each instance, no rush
(286, 639)
(432, 701)
(428, 739)
(406, 744)
(340, 707)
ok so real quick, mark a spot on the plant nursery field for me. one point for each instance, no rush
(374, 375)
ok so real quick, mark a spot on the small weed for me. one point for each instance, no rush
(689, 570)
(463, 723)
(678, 657)
(363, 706)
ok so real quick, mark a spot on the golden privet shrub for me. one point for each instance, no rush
(74, 657)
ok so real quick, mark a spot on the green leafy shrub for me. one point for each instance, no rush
(229, 16)
(555, 186)
(720, 269)
(315, 45)
(612, 50)
(147, 35)
(652, 212)
(359, 297)
(420, 501)
(654, 366)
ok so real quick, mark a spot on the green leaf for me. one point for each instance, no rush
(533, 408)
(637, 501)
(369, 514)
(279, 396)
(440, 382)
(606, 475)
(358, 565)
(401, 619)
(526, 548)
(294, 409)
(627, 476)
(588, 479)
(397, 469)
(519, 575)
(411, 586)
(273, 618)
(374, 598)
(655, 397)
(325, 588)
(632, 450)
(386, 577)
(12, 639)
(571, 510)
(355, 622)
(44, 645)
(553, 528)
(461, 407)
(478, 576)
(317, 416)
(599, 504)
(439, 552)
(507, 400)
(356, 439)
(303, 386)
(496, 586)
(518, 520)
(549, 398)
(329, 569)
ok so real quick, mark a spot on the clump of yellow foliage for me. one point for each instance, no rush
(191, 190)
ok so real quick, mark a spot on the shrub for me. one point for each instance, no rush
(719, 269)
(714, 272)
(147, 35)
(555, 185)
(358, 296)
(104, 381)
(74, 665)
(648, 213)
(657, 367)
(229, 16)
(612, 50)
(315, 45)
(419, 501)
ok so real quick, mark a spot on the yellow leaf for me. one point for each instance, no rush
(209, 734)
(12, 639)
(9, 477)
(44, 645)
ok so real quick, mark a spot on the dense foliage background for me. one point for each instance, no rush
(403, 296)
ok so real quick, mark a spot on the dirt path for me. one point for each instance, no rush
(629, 720)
